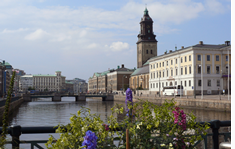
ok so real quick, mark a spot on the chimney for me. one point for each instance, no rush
(118, 67)
(182, 47)
(3, 62)
(227, 43)
(170, 51)
(122, 65)
(165, 52)
(201, 42)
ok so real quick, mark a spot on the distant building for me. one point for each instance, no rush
(49, 82)
(4, 78)
(79, 85)
(110, 80)
(25, 82)
(19, 73)
(69, 87)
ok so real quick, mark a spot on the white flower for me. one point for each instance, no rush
(162, 145)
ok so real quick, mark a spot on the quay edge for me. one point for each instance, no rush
(210, 104)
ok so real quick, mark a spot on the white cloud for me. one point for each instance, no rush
(38, 34)
(119, 46)
(14, 31)
(215, 7)
(92, 46)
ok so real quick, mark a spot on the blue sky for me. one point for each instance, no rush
(83, 37)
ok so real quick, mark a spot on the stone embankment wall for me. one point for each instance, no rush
(222, 105)
(13, 106)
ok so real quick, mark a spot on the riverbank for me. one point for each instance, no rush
(207, 103)
(13, 105)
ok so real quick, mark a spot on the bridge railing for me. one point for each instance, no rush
(16, 130)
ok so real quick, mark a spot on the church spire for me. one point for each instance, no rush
(146, 12)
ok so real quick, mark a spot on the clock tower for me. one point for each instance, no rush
(146, 44)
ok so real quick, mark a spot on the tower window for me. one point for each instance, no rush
(151, 51)
(147, 51)
(148, 31)
(149, 37)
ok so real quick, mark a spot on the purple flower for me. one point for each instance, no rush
(167, 135)
(90, 140)
(128, 99)
(175, 139)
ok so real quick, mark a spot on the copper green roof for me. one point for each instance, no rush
(146, 11)
(46, 75)
(141, 70)
(68, 82)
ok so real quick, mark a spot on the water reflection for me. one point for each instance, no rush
(43, 112)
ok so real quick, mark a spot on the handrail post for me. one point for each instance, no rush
(215, 125)
(15, 133)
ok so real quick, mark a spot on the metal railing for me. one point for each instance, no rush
(16, 130)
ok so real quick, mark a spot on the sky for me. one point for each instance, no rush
(80, 37)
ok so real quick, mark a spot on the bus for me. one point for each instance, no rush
(173, 90)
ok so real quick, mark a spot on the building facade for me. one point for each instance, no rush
(25, 82)
(140, 78)
(4, 78)
(79, 85)
(111, 80)
(49, 82)
(199, 67)
(118, 80)
(18, 74)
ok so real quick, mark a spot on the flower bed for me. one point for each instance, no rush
(149, 127)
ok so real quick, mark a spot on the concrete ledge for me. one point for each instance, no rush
(13, 106)
(220, 105)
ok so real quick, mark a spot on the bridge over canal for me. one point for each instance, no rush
(81, 97)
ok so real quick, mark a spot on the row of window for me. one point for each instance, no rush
(171, 61)
(161, 74)
(185, 60)
(185, 83)
(208, 70)
(208, 57)
(147, 52)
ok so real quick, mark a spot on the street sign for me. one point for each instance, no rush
(192, 87)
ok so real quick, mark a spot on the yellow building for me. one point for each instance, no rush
(199, 67)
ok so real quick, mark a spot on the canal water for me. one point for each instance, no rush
(43, 112)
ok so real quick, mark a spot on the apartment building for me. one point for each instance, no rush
(49, 82)
(199, 67)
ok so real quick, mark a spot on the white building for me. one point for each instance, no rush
(49, 82)
(183, 67)
(25, 82)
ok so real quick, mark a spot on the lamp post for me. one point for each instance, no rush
(159, 82)
(194, 82)
(123, 82)
(228, 74)
(201, 82)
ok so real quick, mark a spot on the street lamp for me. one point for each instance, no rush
(228, 74)
(123, 82)
(159, 82)
(201, 80)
